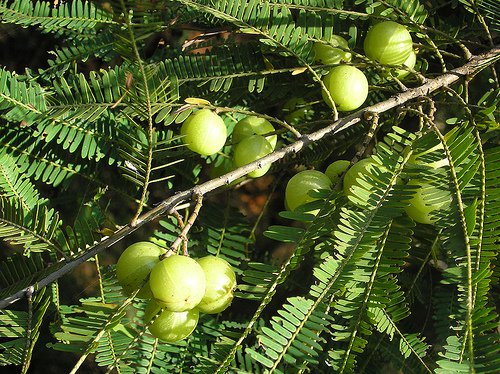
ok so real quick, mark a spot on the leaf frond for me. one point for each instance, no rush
(77, 15)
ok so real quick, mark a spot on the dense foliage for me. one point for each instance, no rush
(90, 143)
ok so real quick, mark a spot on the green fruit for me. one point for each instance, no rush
(389, 43)
(348, 87)
(134, 266)
(252, 125)
(170, 326)
(178, 283)
(410, 63)
(221, 282)
(426, 200)
(353, 178)
(335, 169)
(298, 188)
(251, 149)
(355, 172)
(296, 110)
(204, 132)
(441, 159)
(329, 54)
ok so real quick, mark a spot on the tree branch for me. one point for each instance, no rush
(475, 64)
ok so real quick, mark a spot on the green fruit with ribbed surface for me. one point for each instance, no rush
(221, 282)
(330, 53)
(438, 154)
(135, 265)
(354, 177)
(348, 87)
(426, 200)
(298, 188)
(204, 132)
(389, 43)
(335, 170)
(251, 149)
(177, 283)
(253, 125)
(170, 326)
(409, 63)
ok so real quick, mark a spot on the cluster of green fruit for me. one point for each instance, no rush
(180, 285)
(252, 143)
(386, 42)
(425, 200)
(204, 132)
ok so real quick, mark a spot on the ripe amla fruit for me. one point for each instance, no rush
(389, 43)
(170, 326)
(204, 132)
(409, 63)
(298, 188)
(253, 125)
(330, 53)
(251, 149)
(335, 170)
(177, 283)
(348, 87)
(353, 177)
(134, 266)
(437, 153)
(426, 200)
(221, 282)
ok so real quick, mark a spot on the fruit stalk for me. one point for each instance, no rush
(185, 229)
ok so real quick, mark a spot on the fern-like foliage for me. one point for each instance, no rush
(489, 10)
(21, 101)
(345, 271)
(217, 71)
(476, 316)
(21, 330)
(80, 50)
(75, 16)
(275, 26)
(394, 355)
(40, 161)
(81, 336)
(14, 186)
(12, 327)
(28, 222)
(97, 326)
(412, 10)
(89, 140)
(25, 218)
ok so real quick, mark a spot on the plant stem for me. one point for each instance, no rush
(185, 229)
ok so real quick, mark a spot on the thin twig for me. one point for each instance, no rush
(373, 118)
(183, 235)
(284, 124)
(167, 206)
(27, 356)
(181, 225)
(179, 219)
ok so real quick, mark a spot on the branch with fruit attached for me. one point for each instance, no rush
(168, 206)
